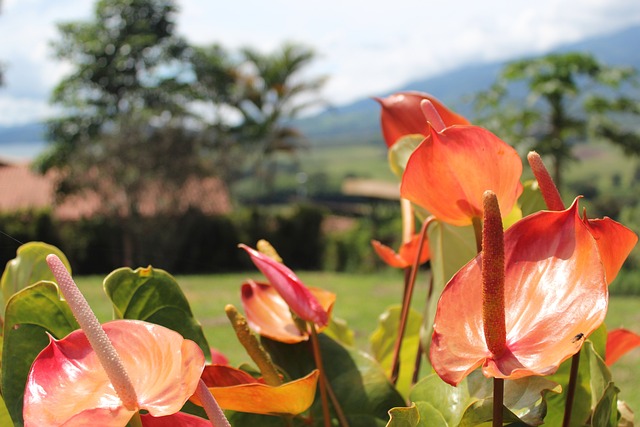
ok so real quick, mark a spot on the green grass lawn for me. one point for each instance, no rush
(361, 299)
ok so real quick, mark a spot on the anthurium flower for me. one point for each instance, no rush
(299, 299)
(268, 314)
(406, 256)
(620, 342)
(180, 419)
(236, 390)
(401, 115)
(67, 384)
(450, 170)
(555, 293)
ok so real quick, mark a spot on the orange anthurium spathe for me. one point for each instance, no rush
(67, 384)
(620, 342)
(450, 170)
(268, 314)
(299, 299)
(406, 256)
(236, 390)
(401, 115)
(555, 293)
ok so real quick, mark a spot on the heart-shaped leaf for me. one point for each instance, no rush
(30, 314)
(153, 295)
(400, 152)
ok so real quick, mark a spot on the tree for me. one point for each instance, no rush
(123, 135)
(571, 98)
(265, 91)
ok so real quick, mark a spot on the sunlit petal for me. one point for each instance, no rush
(67, 384)
(255, 397)
(401, 115)
(615, 242)
(406, 256)
(268, 314)
(555, 294)
(619, 343)
(448, 173)
(291, 289)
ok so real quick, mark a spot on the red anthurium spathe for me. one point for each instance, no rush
(178, 419)
(236, 390)
(450, 170)
(619, 343)
(555, 293)
(299, 299)
(268, 314)
(68, 386)
(406, 256)
(402, 115)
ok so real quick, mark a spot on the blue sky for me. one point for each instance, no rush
(366, 47)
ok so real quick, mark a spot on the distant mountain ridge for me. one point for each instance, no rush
(359, 121)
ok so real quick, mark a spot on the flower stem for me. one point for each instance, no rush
(406, 303)
(253, 347)
(571, 389)
(498, 401)
(98, 339)
(323, 382)
(211, 407)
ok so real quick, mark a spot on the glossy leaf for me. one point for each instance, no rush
(338, 330)
(471, 402)
(28, 267)
(359, 383)
(383, 340)
(402, 115)
(446, 174)
(419, 414)
(400, 152)
(67, 383)
(531, 200)
(238, 391)
(29, 315)
(620, 342)
(555, 293)
(269, 315)
(153, 295)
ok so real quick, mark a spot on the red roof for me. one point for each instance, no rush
(21, 188)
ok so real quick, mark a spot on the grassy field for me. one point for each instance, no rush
(361, 299)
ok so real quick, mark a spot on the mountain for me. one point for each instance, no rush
(28, 133)
(359, 121)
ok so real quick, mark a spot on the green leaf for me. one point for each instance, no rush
(593, 380)
(30, 313)
(5, 419)
(451, 247)
(420, 414)
(383, 340)
(339, 331)
(531, 200)
(28, 267)
(153, 295)
(471, 403)
(605, 413)
(359, 383)
(400, 152)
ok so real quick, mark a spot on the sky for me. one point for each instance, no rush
(365, 47)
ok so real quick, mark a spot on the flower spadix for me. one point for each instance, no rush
(452, 167)
(402, 115)
(554, 291)
(297, 296)
(103, 374)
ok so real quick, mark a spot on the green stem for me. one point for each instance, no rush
(571, 389)
(498, 401)
(135, 421)
(406, 303)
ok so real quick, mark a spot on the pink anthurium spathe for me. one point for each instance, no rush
(402, 115)
(236, 390)
(555, 293)
(299, 299)
(67, 384)
(450, 170)
(268, 314)
(406, 255)
(620, 342)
